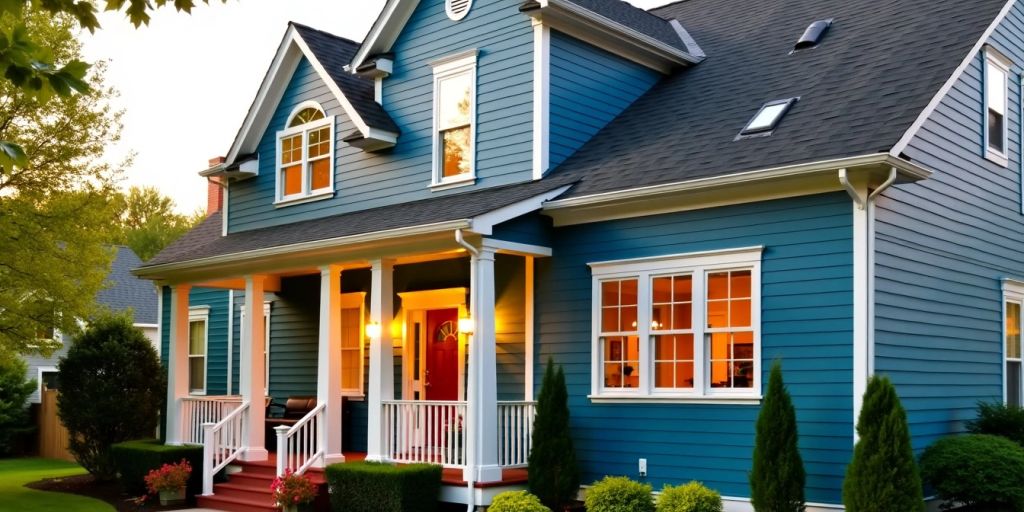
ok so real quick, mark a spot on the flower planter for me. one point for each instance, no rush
(175, 497)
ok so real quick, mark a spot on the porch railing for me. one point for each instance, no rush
(302, 444)
(422, 431)
(222, 444)
(195, 411)
(515, 432)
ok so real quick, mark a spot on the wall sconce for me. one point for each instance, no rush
(467, 325)
(373, 330)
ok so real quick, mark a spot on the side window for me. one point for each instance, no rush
(305, 150)
(997, 73)
(352, 343)
(197, 349)
(1013, 299)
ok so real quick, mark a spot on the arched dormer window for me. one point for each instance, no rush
(305, 149)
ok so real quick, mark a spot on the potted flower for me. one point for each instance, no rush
(169, 482)
(292, 491)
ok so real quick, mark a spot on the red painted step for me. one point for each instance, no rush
(249, 490)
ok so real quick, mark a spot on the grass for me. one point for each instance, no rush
(14, 496)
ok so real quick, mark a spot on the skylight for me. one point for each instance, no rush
(768, 117)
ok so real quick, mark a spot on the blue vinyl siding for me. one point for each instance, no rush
(942, 247)
(504, 39)
(589, 87)
(294, 333)
(217, 343)
(532, 228)
(806, 322)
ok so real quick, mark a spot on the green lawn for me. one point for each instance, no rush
(14, 497)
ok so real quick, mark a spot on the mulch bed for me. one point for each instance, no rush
(110, 492)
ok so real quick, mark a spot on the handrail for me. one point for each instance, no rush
(424, 431)
(302, 444)
(223, 442)
(197, 410)
(515, 432)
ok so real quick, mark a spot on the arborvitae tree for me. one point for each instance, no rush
(777, 478)
(554, 475)
(883, 475)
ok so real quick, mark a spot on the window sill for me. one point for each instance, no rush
(304, 199)
(354, 397)
(676, 399)
(453, 183)
(997, 158)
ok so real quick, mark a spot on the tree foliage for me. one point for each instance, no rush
(554, 476)
(777, 478)
(15, 388)
(148, 223)
(112, 390)
(55, 211)
(883, 475)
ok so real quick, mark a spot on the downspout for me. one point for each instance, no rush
(468, 430)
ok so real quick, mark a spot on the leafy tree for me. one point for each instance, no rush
(777, 478)
(554, 476)
(55, 211)
(15, 389)
(148, 222)
(883, 475)
(112, 390)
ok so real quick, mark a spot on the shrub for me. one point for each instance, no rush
(135, 459)
(999, 419)
(292, 489)
(112, 390)
(619, 494)
(777, 477)
(517, 501)
(977, 470)
(15, 389)
(169, 477)
(372, 487)
(882, 475)
(554, 476)
(692, 497)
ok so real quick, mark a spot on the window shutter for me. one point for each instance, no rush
(457, 9)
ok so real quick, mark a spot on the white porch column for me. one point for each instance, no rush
(177, 362)
(381, 385)
(483, 386)
(251, 362)
(328, 387)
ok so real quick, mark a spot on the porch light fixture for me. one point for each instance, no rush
(373, 330)
(467, 325)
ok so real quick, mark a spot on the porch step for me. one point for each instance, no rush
(249, 489)
(235, 504)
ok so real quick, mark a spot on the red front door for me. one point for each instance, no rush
(442, 372)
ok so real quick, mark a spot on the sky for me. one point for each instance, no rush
(187, 81)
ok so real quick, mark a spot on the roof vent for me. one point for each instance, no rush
(812, 36)
(457, 9)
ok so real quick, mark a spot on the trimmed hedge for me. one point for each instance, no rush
(373, 487)
(516, 501)
(692, 497)
(979, 471)
(619, 494)
(134, 459)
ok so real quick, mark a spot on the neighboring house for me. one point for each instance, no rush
(663, 202)
(122, 292)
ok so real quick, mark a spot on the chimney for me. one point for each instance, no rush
(214, 190)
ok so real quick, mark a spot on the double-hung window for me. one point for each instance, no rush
(678, 327)
(1013, 301)
(352, 343)
(305, 149)
(454, 120)
(198, 322)
(997, 73)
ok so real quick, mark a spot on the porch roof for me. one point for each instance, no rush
(206, 240)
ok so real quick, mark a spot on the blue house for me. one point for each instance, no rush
(662, 202)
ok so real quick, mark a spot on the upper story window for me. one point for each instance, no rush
(997, 73)
(454, 120)
(678, 327)
(305, 151)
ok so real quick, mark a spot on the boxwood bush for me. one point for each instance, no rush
(134, 459)
(619, 494)
(373, 487)
(517, 501)
(999, 419)
(692, 497)
(979, 471)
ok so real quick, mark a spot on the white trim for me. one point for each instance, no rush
(307, 192)
(994, 58)
(140, 326)
(1012, 291)
(925, 114)
(385, 30)
(199, 314)
(224, 208)
(159, 319)
(529, 318)
(354, 300)
(697, 265)
(484, 223)
(266, 347)
(231, 342)
(861, 350)
(445, 68)
(541, 99)
(506, 247)
(455, 16)
(319, 196)
(611, 398)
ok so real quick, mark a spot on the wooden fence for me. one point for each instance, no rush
(53, 437)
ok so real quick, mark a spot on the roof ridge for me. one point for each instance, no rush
(670, 4)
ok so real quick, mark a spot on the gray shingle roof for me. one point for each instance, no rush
(635, 18)
(860, 90)
(205, 240)
(124, 291)
(334, 53)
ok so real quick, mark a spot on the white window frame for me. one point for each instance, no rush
(307, 194)
(698, 265)
(994, 59)
(351, 301)
(445, 68)
(1013, 291)
(200, 314)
